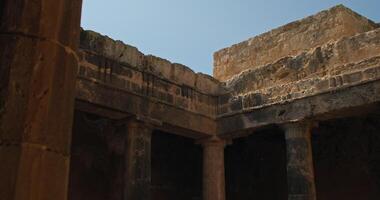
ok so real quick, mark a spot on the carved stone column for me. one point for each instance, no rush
(301, 184)
(138, 161)
(38, 65)
(213, 169)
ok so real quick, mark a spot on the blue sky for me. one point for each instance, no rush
(190, 31)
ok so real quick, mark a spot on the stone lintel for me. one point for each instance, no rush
(340, 103)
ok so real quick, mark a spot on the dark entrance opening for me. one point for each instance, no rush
(256, 167)
(97, 162)
(97, 158)
(176, 168)
(347, 158)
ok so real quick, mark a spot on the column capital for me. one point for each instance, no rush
(298, 129)
(214, 141)
(135, 122)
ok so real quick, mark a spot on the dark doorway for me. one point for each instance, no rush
(97, 158)
(347, 158)
(256, 167)
(176, 168)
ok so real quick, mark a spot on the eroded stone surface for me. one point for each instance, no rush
(130, 56)
(319, 78)
(38, 63)
(341, 50)
(300, 172)
(346, 62)
(289, 40)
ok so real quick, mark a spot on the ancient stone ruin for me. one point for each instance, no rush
(292, 114)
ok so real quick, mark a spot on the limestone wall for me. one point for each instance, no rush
(123, 67)
(130, 56)
(339, 54)
(289, 40)
(347, 62)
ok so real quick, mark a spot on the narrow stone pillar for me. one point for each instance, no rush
(213, 169)
(38, 65)
(138, 161)
(301, 184)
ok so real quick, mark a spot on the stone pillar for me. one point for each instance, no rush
(138, 161)
(213, 169)
(38, 64)
(301, 185)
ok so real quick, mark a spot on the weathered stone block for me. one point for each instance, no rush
(323, 85)
(224, 98)
(53, 29)
(110, 52)
(82, 71)
(136, 88)
(289, 40)
(112, 49)
(159, 66)
(370, 73)
(301, 72)
(169, 98)
(183, 74)
(222, 110)
(207, 84)
(236, 103)
(50, 170)
(117, 82)
(332, 83)
(252, 99)
(352, 78)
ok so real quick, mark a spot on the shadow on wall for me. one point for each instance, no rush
(256, 167)
(347, 158)
(97, 158)
(176, 168)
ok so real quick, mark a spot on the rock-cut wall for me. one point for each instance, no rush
(125, 68)
(328, 52)
(330, 67)
(130, 56)
(289, 40)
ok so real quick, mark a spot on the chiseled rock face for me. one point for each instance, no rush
(346, 62)
(289, 40)
(132, 57)
(324, 61)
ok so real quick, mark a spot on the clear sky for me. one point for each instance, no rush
(190, 31)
